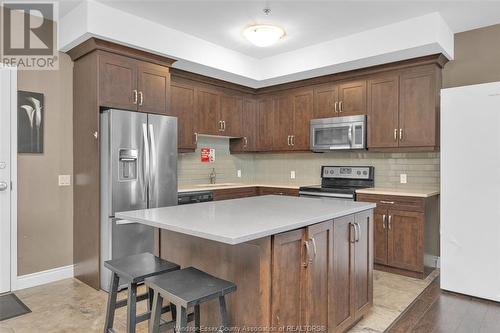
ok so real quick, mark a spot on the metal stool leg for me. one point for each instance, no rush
(223, 312)
(197, 327)
(131, 308)
(154, 321)
(111, 307)
(181, 320)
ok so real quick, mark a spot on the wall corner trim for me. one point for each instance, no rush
(43, 277)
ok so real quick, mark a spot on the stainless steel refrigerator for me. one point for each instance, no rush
(138, 171)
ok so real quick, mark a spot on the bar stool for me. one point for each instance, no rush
(133, 270)
(188, 287)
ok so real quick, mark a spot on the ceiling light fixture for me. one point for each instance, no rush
(263, 35)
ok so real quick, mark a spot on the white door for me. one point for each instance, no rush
(6, 100)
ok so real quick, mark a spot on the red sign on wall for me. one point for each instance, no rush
(207, 155)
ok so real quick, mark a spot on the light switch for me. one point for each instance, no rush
(292, 174)
(64, 180)
(239, 173)
(402, 178)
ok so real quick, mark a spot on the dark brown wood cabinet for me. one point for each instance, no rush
(405, 229)
(352, 98)
(182, 106)
(231, 112)
(302, 101)
(248, 141)
(266, 123)
(328, 270)
(383, 112)
(207, 112)
(283, 118)
(325, 101)
(131, 84)
(403, 110)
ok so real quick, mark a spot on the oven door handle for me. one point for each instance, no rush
(330, 195)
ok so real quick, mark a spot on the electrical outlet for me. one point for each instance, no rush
(292, 174)
(64, 180)
(402, 178)
(239, 173)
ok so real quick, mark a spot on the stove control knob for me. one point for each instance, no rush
(359, 173)
(365, 173)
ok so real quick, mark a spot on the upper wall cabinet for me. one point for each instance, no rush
(266, 123)
(248, 142)
(182, 107)
(403, 110)
(344, 99)
(131, 84)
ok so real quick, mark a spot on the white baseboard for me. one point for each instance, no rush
(43, 277)
(432, 261)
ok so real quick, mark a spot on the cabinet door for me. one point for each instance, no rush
(383, 112)
(288, 278)
(207, 111)
(405, 240)
(418, 109)
(363, 263)
(248, 142)
(319, 274)
(283, 123)
(324, 101)
(343, 312)
(265, 124)
(302, 114)
(352, 98)
(154, 88)
(380, 235)
(117, 82)
(182, 107)
(231, 109)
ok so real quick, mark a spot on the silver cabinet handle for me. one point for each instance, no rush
(224, 125)
(395, 134)
(292, 140)
(315, 250)
(341, 106)
(336, 106)
(384, 217)
(352, 234)
(288, 140)
(359, 231)
(95, 135)
(135, 96)
(141, 98)
(195, 138)
(387, 202)
(220, 125)
(308, 256)
(400, 134)
(245, 142)
(390, 220)
(3, 186)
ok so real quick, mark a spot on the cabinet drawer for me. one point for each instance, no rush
(278, 191)
(234, 193)
(413, 204)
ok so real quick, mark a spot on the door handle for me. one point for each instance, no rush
(288, 140)
(141, 98)
(358, 233)
(352, 233)
(387, 202)
(146, 158)
(308, 256)
(390, 220)
(400, 134)
(384, 217)
(135, 96)
(220, 125)
(341, 106)
(3, 186)
(152, 177)
(245, 140)
(195, 138)
(292, 139)
(315, 252)
(395, 134)
(336, 106)
(223, 125)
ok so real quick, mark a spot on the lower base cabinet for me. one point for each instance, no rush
(322, 274)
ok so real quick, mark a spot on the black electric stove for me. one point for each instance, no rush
(340, 182)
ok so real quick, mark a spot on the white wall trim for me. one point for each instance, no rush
(43, 277)
(432, 261)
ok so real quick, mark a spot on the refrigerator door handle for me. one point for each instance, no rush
(152, 170)
(146, 159)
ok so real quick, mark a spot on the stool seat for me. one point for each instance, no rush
(189, 286)
(138, 267)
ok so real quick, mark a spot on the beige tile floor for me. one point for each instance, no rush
(73, 307)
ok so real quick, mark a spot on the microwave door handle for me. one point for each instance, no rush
(349, 136)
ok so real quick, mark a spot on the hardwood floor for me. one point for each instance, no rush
(439, 311)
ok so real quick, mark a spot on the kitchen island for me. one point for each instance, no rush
(296, 261)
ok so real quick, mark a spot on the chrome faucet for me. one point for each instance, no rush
(212, 176)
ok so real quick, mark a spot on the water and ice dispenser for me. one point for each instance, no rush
(128, 164)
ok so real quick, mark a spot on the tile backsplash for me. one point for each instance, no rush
(422, 169)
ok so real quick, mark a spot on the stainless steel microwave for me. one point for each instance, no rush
(339, 133)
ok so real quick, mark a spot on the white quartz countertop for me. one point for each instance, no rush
(241, 220)
(400, 192)
(223, 186)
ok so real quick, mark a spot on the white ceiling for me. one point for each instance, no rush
(306, 22)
